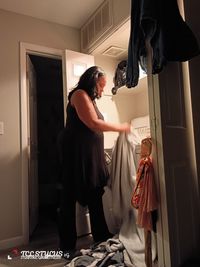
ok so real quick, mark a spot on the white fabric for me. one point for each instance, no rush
(120, 188)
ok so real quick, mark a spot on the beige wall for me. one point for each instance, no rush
(125, 105)
(13, 30)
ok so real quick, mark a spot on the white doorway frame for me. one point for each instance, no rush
(26, 48)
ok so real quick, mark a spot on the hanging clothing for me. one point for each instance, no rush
(144, 197)
(120, 76)
(170, 37)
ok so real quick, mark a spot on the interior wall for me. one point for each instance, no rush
(15, 29)
(125, 105)
(132, 104)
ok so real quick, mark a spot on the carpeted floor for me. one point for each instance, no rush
(45, 238)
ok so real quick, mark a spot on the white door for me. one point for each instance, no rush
(75, 64)
(171, 115)
(32, 146)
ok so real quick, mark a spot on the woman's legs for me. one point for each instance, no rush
(99, 227)
(67, 220)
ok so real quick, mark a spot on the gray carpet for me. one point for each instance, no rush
(16, 261)
(44, 239)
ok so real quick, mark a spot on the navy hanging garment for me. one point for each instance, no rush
(170, 37)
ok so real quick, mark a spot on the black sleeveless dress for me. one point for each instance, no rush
(84, 166)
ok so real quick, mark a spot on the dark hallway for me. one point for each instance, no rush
(50, 121)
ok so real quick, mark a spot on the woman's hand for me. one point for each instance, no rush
(125, 127)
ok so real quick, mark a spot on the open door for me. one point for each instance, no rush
(75, 64)
(32, 146)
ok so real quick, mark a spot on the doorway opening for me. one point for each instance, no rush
(50, 121)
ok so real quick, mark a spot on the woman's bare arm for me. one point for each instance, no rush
(87, 114)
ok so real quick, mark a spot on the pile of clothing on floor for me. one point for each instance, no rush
(104, 254)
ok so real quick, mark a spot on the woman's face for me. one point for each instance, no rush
(101, 83)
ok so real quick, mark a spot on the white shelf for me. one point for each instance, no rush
(142, 86)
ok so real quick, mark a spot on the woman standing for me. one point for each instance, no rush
(84, 172)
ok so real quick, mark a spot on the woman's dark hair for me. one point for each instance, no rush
(87, 81)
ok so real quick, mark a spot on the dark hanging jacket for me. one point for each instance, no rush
(160, 22)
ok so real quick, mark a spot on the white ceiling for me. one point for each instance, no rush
(73, 13)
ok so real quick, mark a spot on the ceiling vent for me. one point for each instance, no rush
(113, 51)
(97, 26)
